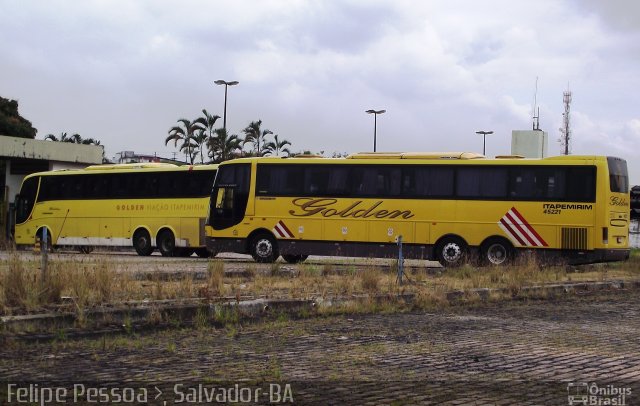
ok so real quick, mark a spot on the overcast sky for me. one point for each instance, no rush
(124, 71)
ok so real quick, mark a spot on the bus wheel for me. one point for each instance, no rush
(264, 248)
(204, 253)
(142, 243)
(166, 243)
(85, 249)
(496, 251)
(294, 259)
(451, 252)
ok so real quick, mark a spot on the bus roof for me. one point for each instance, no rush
(134, 167)
(143, 165)
(416, 155)
(428, 157)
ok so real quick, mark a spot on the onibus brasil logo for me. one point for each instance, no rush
(583, 393)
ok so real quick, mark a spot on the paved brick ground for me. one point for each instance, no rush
(505, 354)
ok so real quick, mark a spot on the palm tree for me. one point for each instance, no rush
(184, 134)
(207, 121)
(200, 139)
(276, 147)
(89, 141)
(224, 146)
(74, 139)
(63, 137)
(254, 135)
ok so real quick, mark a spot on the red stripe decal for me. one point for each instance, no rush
(533, 230)
(522, 231)
(513, 233)
(289, 233)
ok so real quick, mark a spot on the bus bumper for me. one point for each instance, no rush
(217, 245)
(598, 255)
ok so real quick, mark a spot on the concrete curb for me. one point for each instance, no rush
(556, 289)
(149, 314)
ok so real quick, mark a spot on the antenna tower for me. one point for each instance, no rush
(536, 118)
(566, 123)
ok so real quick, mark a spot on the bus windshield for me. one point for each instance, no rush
(229, 196)
(26, 199)
(618, 177)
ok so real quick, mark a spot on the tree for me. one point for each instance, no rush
(224, 146)
(255, 136)
(200, 139)
(185, 135)
(205, 130)
(73, 139)
(276, 147)
(12, 124)
(207, 122)
(63, 138)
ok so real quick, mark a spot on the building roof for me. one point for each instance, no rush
(13, 147)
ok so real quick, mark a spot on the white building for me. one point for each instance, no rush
(20, 157)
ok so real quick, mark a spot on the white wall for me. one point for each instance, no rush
(529, 144)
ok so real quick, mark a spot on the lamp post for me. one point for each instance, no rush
(226, 84)
(484, 140)
(375, 124)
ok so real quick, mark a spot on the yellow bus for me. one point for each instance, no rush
(446, 207)
(123, 205)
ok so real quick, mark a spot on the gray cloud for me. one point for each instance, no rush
(124, 72)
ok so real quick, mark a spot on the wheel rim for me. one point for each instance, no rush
(264, 248)
(497, 254)
(451, 252)
(141, 242)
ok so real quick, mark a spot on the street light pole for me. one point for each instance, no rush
(375, 124)
(484, 140)
(226, 84)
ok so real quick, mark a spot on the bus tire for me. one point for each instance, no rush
(264, 248)
(451, 252)
(142, 243)
(496, 251)
(294, 259)
(203, 252)
(166, 243)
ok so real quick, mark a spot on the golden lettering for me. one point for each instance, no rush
(324, 207)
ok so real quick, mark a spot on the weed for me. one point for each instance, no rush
(275, 269)
(215, 282)
(15, 284)
(226, 315)
(127, 324)
(154, 317)
(201, 320)
(369, 279)
(103, 281)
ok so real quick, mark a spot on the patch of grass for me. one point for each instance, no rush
(274, 270)
(215, 281)
(201, 320)
(370, 280)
